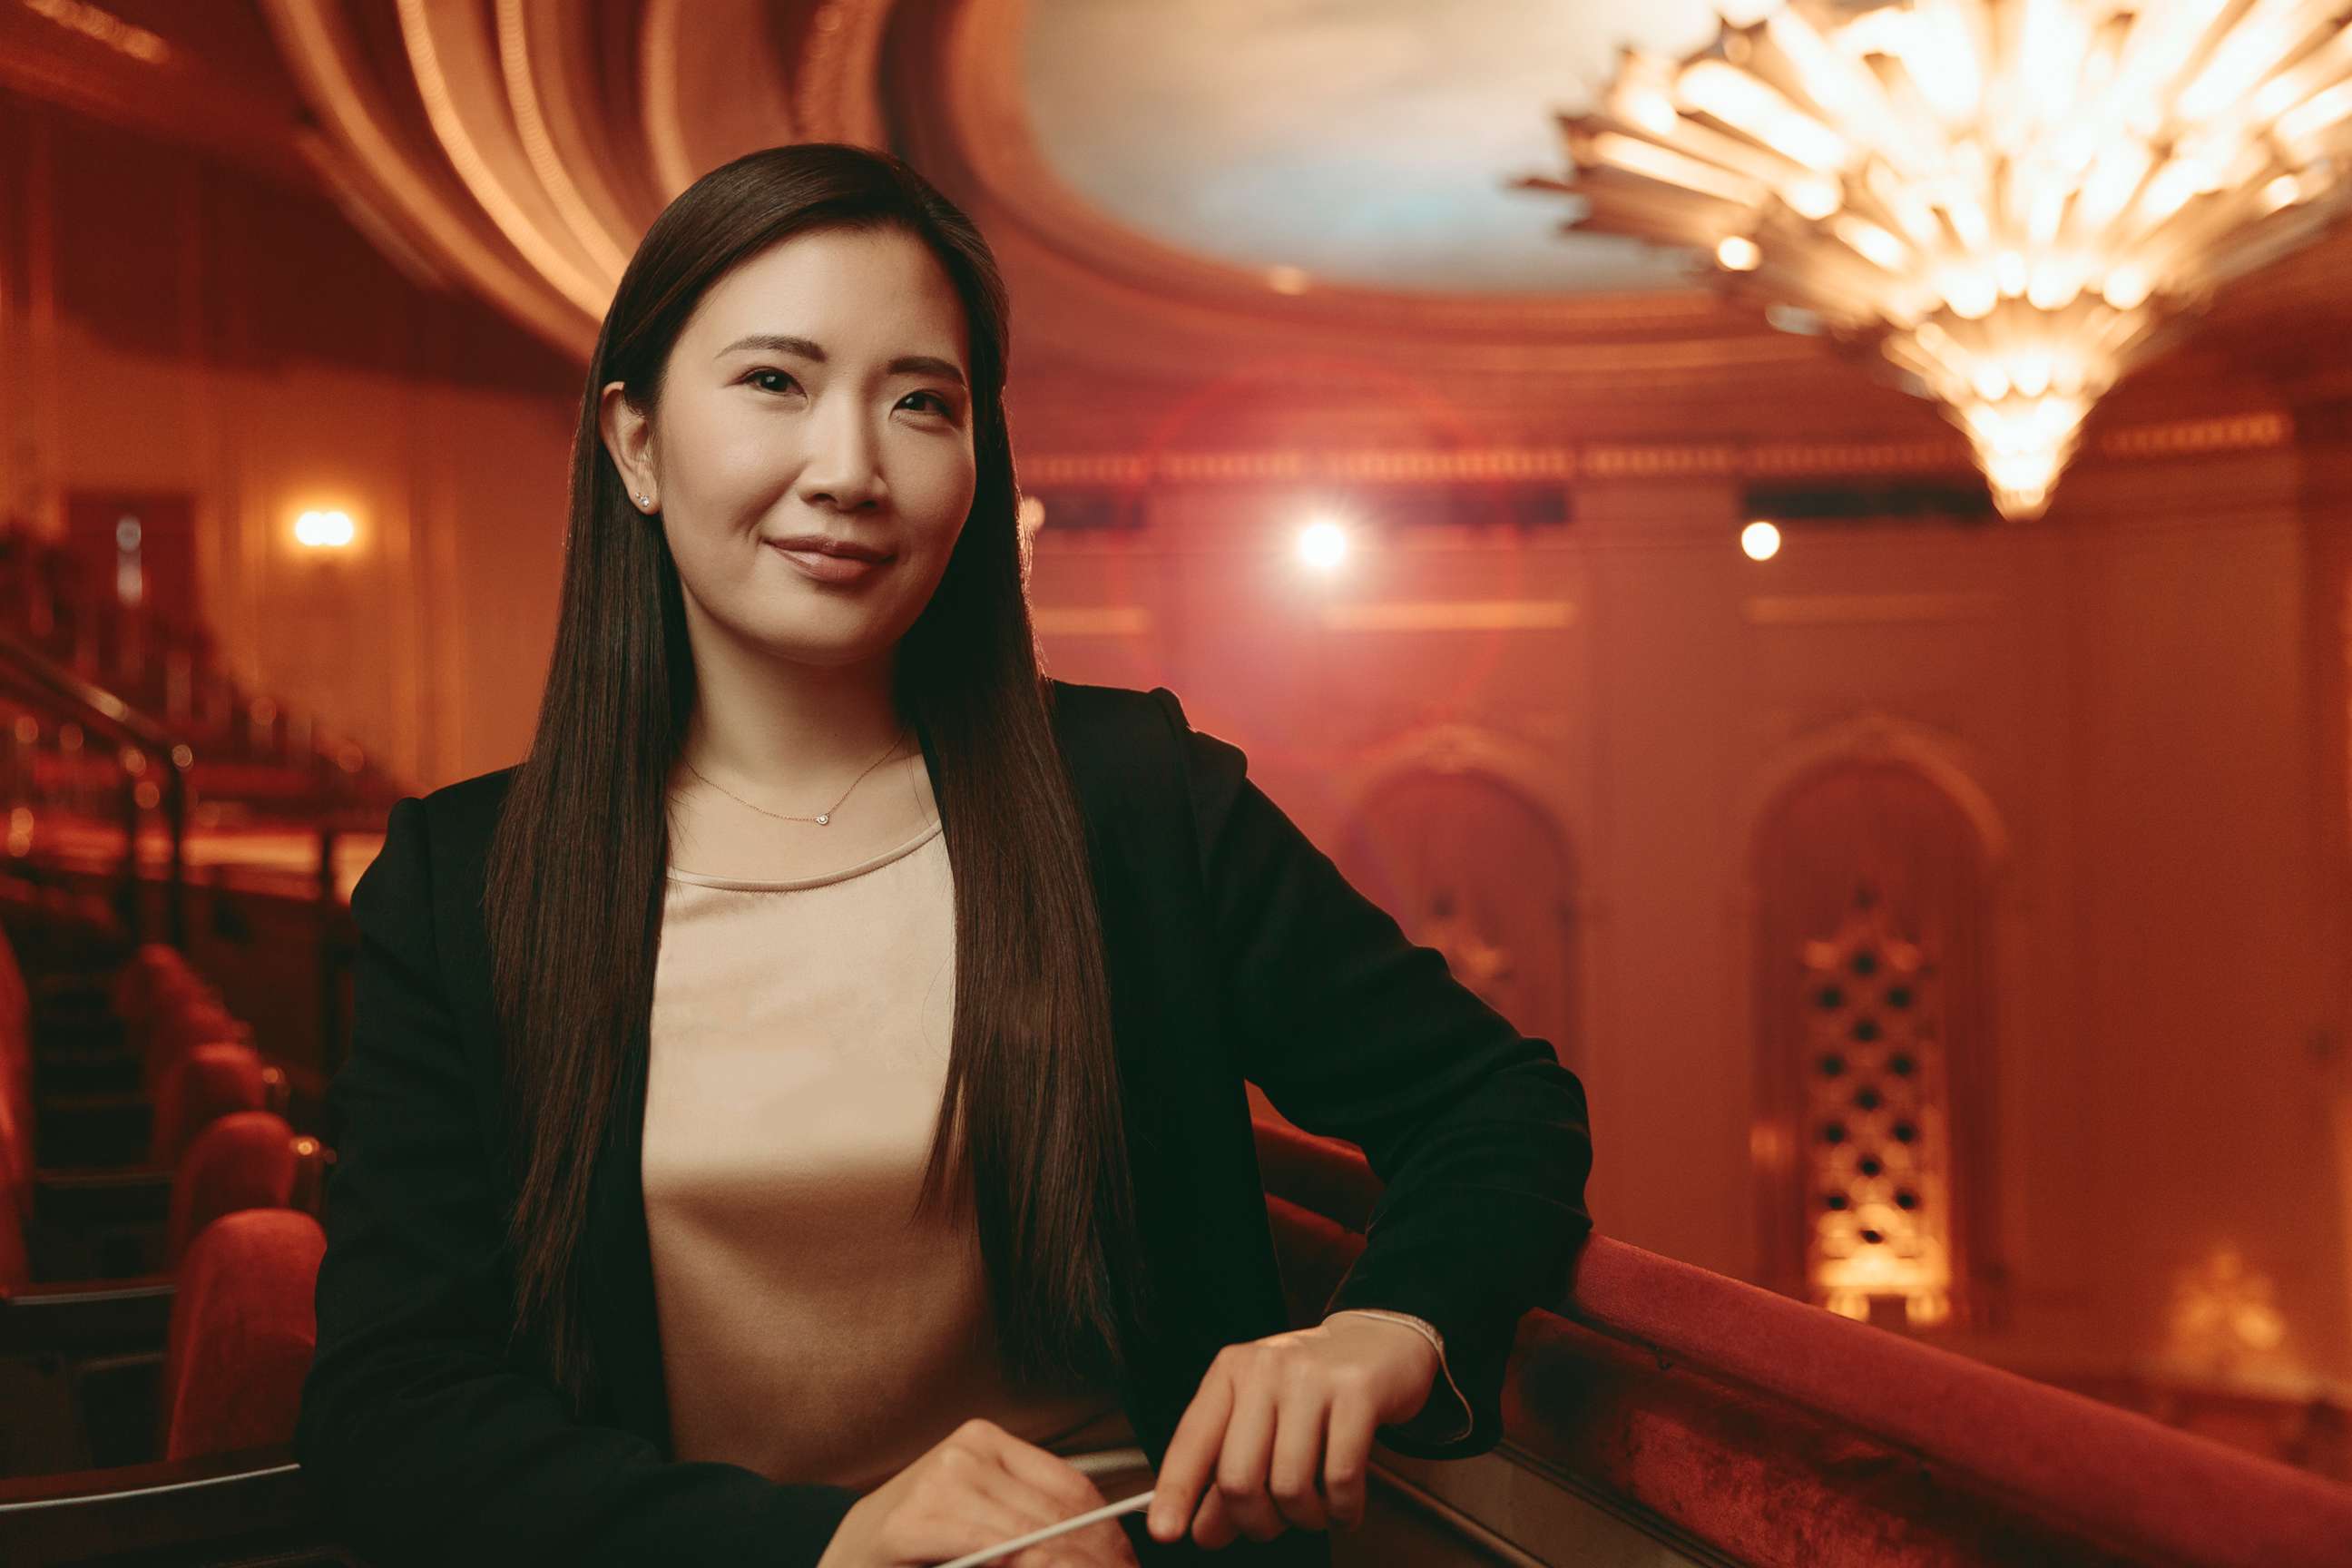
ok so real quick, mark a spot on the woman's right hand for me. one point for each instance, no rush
(979, 1485)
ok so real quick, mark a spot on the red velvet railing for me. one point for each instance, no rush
(1773, 1431)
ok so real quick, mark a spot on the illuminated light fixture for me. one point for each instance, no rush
(1760, 540)
(1323, 544)
(323, 529)
(2012, 200)
(106, 27)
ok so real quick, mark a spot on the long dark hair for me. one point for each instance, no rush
(576, 876)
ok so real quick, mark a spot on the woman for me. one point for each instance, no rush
(796, 1115)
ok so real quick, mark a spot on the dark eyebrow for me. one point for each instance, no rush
(785, 343)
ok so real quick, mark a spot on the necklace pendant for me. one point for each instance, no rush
(822, 818)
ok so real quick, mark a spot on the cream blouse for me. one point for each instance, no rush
(813, 1329)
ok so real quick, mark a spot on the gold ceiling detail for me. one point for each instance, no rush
(2014, 201)
(524, 146)
(1746, 458)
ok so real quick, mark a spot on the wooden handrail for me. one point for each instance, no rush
(34, 676)
(254, 1495)
(2108, 1477)
(2118, 1475)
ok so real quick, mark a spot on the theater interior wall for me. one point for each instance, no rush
(2141, 695)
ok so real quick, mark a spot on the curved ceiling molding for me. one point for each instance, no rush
(464, 91)
(373, 151)
(568, 150)
(713, 84)
(839, 80)
(523, 146)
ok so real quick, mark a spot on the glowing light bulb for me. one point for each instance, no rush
(1323, 544)
(323, 529)
(2127, 286)
(1814, 197)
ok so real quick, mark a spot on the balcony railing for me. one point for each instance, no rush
(149, 766)
(1732, 1423)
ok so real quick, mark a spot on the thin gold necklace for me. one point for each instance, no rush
(821, 817)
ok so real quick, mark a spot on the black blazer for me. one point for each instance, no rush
(1237, 951)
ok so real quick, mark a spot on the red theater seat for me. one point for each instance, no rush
(166, 1007)
(182, 1026)
(16, 1261)
(246, 1160)
(226, 1488)
(16, 999)
(16, 1121)
(243, 1331)
(17, 1152)
(82, 1360)
(212, 1080)
(16, 1075)
(141, 987)
(105, 1205)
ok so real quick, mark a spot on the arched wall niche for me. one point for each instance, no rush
(1877, 908)
(1524, 948)
(1461, 833)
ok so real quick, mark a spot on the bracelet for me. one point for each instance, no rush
(1427, 1331)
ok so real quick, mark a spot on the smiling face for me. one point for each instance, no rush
(819, 388)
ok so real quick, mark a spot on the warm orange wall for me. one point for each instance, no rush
(2129, 683)
(171, 323)
(2124, 682)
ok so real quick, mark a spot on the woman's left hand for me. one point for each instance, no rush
(1285, 1425)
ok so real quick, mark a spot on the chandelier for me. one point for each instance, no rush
(2013, 200)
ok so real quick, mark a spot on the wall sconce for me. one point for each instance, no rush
(323, 529)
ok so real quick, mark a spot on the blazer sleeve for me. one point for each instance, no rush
(422, 1444)
(1479, 1136)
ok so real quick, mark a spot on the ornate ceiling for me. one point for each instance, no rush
(523, 144)
(1227, 223)
(1368, 142)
